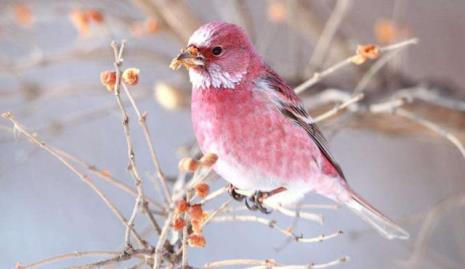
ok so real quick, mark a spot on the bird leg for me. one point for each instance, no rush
(257, 199)
(234, 194)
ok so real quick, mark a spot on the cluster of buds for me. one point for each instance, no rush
(149, 26)
(196, 216)
(191, 165)
(130, 77)
(82, 18)
(365, 52)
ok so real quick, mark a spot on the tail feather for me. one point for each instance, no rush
(382, 224)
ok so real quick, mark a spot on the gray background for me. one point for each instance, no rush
(46, 210)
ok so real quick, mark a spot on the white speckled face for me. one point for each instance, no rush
(225, 50)
(201, 37)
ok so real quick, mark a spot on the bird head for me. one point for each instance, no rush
(218, 55)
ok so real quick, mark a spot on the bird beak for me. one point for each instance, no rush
(189, 57)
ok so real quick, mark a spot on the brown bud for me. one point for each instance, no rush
(209, 159)
(131, 76)
(277, 11)
(151, 25)
(80, 21)
(196, 240)
(196, 212)
(23, 14)
(108, 79)
(196, 225)
(188, 165)
(178, 224)
(202, 189)
(368, 51)
(94, 15)
(182, 206)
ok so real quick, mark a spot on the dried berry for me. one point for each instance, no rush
(188, 165)
(196, 212)
(182, 206)
(131, 76)
(178, 224)
(23, 14)
(202, 189)
(209, 159)
(80, 21)
(368, 51)
(196, 240)
(196, 225)
(277, 12)
(151, 25)
(94, 15)
(108, 79)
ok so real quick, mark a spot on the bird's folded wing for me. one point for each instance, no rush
(291, 107)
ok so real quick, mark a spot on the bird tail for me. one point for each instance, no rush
(382, 224)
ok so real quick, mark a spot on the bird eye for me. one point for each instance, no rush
(217, 51)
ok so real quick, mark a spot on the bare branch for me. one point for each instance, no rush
(34, 139)
(319, 76)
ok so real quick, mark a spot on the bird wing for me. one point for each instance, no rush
(291, 107)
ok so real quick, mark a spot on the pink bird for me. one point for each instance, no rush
(266, 142)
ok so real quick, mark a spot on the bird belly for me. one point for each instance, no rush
(258, 148)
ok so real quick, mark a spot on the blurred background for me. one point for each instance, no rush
(51, 55)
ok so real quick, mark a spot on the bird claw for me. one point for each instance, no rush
(256, 202)
(234, 194)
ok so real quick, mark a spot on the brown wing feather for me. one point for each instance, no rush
(291, 107)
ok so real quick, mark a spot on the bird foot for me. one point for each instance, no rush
(232, 190)
(255, 202)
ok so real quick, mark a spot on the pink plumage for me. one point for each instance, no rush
(246, 114)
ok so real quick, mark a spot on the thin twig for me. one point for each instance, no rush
(319, 76)
(86, 179)
(126, 255)
(322, 46)
(161, 241)
(66, 256)
(118, 51)
(433, 127)
(338, 108)
(273, 224)
(265, 264)
(142, 119)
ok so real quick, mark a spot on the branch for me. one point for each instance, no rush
(265, 264)
(273, 225)
(75, 254)
(317, 77)
(142, 122)
(36, 140)
(126, 255)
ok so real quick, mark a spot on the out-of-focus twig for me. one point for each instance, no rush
(322, 46)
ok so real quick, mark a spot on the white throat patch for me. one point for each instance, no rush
(214, 77)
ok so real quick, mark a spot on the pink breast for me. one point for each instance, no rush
(243, 127)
